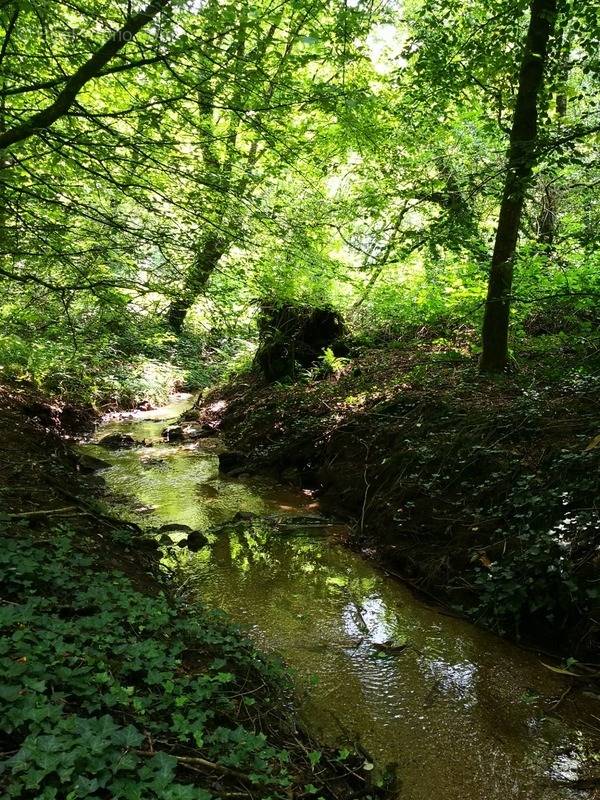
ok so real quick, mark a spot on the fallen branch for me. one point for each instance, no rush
(46, 512)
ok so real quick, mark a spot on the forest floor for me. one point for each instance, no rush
(111, 685)
(481, 491)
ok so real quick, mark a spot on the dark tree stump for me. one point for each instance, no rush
(293, 337)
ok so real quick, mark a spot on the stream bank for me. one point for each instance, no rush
(481, 491)
(455, 712)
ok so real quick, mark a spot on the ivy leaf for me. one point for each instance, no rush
(129, 737)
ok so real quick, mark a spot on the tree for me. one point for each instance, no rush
(251, 118)
(302, 151)
(519, 170)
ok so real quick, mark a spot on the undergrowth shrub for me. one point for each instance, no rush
(547, 574)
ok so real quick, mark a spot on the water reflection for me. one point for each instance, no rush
(462, 714)
(182, 484)
(454, 681)
(439, 698)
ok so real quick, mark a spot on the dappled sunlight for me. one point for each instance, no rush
(354, 248)
(368, 655)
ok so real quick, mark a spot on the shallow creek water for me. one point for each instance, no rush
(462, 714)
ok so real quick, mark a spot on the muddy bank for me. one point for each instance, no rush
(483, 492)
(44, 481)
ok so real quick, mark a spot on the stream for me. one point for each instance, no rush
(459, 712)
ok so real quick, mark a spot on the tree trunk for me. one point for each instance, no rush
(9, 26)
(204, 265)
(547, 222)
(547, 218)
(520, 163)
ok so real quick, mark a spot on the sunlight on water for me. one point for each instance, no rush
(461, 713)
(182, 483)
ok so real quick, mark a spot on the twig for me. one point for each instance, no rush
(555, 705)
(361, 620)
(366, 494)
(203, 762)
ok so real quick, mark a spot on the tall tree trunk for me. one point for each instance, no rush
(8, 26)
(520, 163)
(4, 165)
(204, 265)
(223, 170)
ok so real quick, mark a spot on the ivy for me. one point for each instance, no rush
(551, 533)
(94, 672)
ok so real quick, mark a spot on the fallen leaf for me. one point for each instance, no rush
(593, 444)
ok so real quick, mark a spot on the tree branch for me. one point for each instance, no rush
(89, 285)
(50, 84)
(87, 72)
(9, 31)
(573, 135)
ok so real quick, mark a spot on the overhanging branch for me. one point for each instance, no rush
(51, 84)
(87, 72)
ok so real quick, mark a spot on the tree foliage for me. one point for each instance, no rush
(165, 168)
